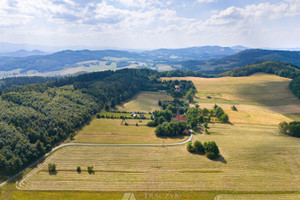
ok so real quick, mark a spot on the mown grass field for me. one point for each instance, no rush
(258, 89)
(255, 158)
(144, 102)
(113, 131)
(260, 98)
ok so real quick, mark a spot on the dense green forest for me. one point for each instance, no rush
(17, 81)
(36, 117)
(270, 67)
(295, 86)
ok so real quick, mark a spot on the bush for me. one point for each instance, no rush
(198, 147)
(211, 150)
(90, 169)
(205, 125)
(233, 108)
(79, 169)
(98, 116)
(190, 147)
(52, 168)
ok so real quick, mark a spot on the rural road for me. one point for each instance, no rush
(91, 144)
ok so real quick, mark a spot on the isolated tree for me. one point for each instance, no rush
(79, 169)
(52, 168)
(159, 102)
(233, 108)
(90, 169)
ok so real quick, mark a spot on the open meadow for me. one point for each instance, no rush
(114, 131)
(260, 98)
(144, 102)
(254, 158)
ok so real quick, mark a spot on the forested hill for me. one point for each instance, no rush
(220, 65)
(34, 118)
(270, 67)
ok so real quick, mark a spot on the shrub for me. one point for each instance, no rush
(211, 150)
(233, 108)
(126, 124)
(98, 116)
(79, 169)
(52, 168)
(90, 169)
(205, 125)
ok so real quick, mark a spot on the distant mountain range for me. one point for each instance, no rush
(208, 59)
(23, 53)
(242, 58)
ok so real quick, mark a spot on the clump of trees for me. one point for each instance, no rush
(52, 168)
(171, 129)
(291, 128)
(210, 149)
(160, 117)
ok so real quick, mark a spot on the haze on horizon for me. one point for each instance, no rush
(150, 24)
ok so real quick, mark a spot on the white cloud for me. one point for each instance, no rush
(206, 1)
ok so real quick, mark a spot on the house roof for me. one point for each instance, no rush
(179, 118)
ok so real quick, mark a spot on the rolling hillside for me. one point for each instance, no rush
(246, 57)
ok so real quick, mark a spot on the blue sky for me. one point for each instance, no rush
(149, 24)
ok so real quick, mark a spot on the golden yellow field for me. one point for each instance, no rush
(260, 98)
(254, 158)
(113, 131)
(258, 89)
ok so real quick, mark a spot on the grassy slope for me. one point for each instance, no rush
(112, 131)
(260, 98)
(144, 102)
(244, 167)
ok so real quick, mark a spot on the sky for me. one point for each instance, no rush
(151, 24)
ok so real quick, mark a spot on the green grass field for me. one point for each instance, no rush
(114, 131)
(144, 102)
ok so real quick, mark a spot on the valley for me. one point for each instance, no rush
(256, 159)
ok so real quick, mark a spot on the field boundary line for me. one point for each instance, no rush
(90, 144)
